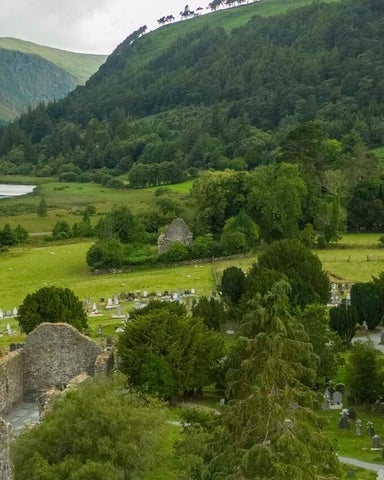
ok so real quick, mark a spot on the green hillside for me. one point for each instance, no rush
(27, 80)
(31, 74)
(229, 19)
(80, 65)
(218, 91)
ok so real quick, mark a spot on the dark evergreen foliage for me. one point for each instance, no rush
(51, 304)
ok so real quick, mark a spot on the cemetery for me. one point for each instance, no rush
(109, 301)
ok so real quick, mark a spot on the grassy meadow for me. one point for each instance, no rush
(68, 201)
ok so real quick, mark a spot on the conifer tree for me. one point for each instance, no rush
(270, 428)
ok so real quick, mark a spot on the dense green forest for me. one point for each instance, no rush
(292, 102)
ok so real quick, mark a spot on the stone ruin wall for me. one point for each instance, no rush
(53, 355)
(5, 438)
(11, 381)
(177, 231)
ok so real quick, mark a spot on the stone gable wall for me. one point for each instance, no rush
(11, 381)
(177, 231)
(53, 355)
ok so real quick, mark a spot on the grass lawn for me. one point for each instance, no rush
(360, 474)
(348, 444)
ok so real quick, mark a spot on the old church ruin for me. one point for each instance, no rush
(53, 355)
(177, 231)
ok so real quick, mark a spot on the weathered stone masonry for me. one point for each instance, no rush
(53, 355)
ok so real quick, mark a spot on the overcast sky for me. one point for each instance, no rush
(91, 26)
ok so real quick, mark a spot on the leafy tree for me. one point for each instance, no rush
(232, 284)
(61, 230)
(181, 348)
(121, 224)
(366, 206)
(325, 342)
(218, 196)
(83, 229)
(366, 299)
(51, 304)
(156, 376)
(203, 247)
(276, 200)
(362, 377)
(211, 311)
(303, 269)
(8, 236)
(21, 234)
(271, 427)
(98, 431)
(177, 252)
(42, 208)
(343, 320)
(106, 254)
(240, 234)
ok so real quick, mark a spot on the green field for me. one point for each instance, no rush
(69, 200)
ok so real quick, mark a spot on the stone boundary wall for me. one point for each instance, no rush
(11, 381)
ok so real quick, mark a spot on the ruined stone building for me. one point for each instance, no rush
(52, 356)
(177, 231)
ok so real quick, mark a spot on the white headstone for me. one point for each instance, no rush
(337, 398)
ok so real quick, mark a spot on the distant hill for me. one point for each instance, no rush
(31, 73)
(218, 91)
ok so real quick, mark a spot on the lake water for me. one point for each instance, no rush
(8, 190)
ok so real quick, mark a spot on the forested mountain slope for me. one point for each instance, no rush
(194, 96)
(26, 80)
(31, 73)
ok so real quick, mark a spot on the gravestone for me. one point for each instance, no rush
(376, 442)
(370, 429)
(358, 427)
(344, 419)
(327, 400)
(380, 475)
(12, 347)
(337, 398)
(109, 303)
